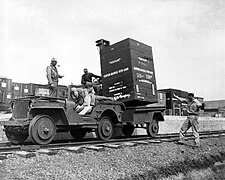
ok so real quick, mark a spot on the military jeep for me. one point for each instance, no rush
(40, 118)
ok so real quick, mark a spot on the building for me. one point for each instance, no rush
(215, 108)
(174, 106)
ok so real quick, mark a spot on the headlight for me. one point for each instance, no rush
(30, 104)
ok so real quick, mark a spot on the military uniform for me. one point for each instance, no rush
(85, 100)
(86, 81)
(87, 78)
(191, 121)
(53, 78)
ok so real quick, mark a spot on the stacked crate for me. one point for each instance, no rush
(32, 89)
(39, 89)
(27, 90)
(128, 72)
(17, 90)
(62, 91)
(5, 93)
(5, 90)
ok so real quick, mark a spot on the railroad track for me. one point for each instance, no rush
(6, 148)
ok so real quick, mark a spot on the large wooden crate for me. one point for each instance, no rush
(5, 90)
(128, 72)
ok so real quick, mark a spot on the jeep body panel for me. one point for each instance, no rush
(143, 114)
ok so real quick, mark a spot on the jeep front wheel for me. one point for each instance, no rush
(42, 129)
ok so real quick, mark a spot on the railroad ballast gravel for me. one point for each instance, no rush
(138, 162)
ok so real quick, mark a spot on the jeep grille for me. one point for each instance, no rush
(20, 109)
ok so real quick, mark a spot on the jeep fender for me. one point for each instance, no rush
(57, 114)
(157, 115)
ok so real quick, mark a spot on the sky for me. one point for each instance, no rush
(187, 38)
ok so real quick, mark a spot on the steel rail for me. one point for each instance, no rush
(6, 147)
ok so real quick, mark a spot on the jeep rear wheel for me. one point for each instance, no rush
(104, 130)
(152, 128)
(42, 129)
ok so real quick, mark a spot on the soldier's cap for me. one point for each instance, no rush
(53, 60)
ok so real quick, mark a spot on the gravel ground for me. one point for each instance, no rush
(154, 161)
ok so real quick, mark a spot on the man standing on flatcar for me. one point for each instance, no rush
(193, 106)
(86, 80)
(53, 78)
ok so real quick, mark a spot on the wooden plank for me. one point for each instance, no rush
(75, 149)
(95, 148)
(142, 142)
(154, 141)
(25, 154)
(115, 146)
(47, 152)
(128, 144)
(30, 147)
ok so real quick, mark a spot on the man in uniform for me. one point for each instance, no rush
(193, 106)
(53, 78)
(85, 100)
(86, 80)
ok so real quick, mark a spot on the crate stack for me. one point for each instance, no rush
(5, 90)
(5, 93)
(128, 72)
(17, 90)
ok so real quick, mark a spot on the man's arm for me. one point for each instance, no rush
(96, 76)
(180, 98)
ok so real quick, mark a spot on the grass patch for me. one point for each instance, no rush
(177, 167)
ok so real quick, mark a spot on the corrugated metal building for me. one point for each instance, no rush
(215, 108)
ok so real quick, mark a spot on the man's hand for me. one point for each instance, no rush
(52, 85)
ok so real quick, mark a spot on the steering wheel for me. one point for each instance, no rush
(73, 97)
(78, 100)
